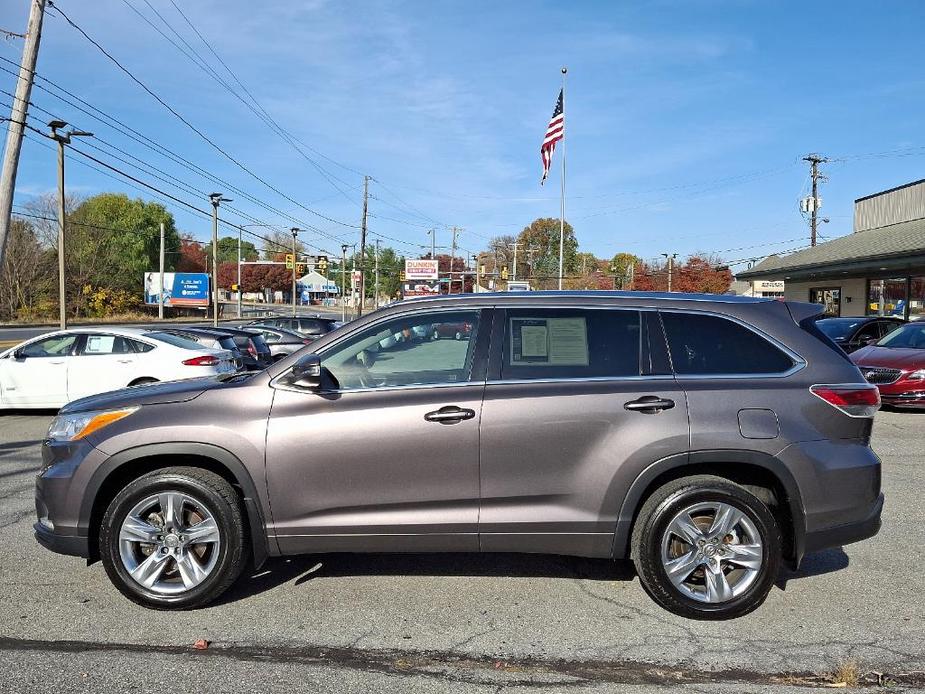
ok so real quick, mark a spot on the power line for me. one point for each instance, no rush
(126, 130)
(192, 127)
(261, 114)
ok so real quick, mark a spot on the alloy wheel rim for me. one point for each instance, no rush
(169, 542)
(712, 552)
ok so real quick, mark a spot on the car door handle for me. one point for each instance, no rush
(124, 361)
(449, 415)
(649, 404)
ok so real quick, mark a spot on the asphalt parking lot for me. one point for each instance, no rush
(463, 623)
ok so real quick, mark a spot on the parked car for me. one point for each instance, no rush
(282, 342)
(309, 326)
(896, 364)
(709, 438)
(457, 331)
(58, 367)
(853, 333)
(210, 339)
(253, 348)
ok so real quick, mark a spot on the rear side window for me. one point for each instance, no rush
(708, 345)
(141, 347)
(570, 343)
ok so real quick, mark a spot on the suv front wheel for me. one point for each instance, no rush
(174, 538)
(706, 548)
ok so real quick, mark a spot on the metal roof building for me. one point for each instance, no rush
(877, 270)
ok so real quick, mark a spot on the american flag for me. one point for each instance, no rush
(555, 131)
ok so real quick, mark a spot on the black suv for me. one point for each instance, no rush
(707, 438)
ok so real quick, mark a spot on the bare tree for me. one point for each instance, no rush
(25, 278)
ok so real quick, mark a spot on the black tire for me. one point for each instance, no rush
(225, 506)
(650, 528)
(142, 381)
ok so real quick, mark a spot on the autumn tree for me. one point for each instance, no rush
(191, 257)
(702, 274)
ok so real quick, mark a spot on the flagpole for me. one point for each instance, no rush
(562, 201)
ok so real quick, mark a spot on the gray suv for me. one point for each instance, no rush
(707, 438)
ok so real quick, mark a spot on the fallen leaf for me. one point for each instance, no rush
(201, 644)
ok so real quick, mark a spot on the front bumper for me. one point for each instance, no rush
(71, 545)
(58, 497)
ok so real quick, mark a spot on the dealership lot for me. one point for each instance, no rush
(465, 622)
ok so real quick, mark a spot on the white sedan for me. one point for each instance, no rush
(58, 367)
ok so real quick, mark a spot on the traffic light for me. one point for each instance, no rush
(290, 259)
(322, 264)
(300, 268)
(504, 273)
(401, 275)
(234, 287)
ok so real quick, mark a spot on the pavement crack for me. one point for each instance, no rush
(531, 672)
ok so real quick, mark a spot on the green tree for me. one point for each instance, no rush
(622, 267)
(228, 250)
(390, 266)
(113, 239)
(542, 236)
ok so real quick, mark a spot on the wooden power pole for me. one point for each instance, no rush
(363, 247)
(18, 113)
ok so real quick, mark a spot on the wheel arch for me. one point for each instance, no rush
(123, 467)
(760, 473)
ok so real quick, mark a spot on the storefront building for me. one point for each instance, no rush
(877, 270)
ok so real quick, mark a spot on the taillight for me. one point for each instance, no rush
(202, 361)
(306, 341)
(251, 349)
(853, 400)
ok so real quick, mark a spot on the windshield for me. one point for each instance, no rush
(911, 336)
(838, 328)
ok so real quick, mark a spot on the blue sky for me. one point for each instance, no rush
(685, 121)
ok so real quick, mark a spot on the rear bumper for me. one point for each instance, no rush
(846, 534)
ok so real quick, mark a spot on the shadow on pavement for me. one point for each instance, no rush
(816, 564)
(278, 571)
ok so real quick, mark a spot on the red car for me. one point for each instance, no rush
(896, 364)
(459, 331)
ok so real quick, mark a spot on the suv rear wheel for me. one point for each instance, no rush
(174, 538)
(705, 548)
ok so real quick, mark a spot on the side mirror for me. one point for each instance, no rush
(307, 372)
(19, 354)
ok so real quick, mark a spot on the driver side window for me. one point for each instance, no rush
(419, 349)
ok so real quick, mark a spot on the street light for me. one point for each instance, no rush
(295, 234)
(670, 257)
(216, 199)
(62, 139)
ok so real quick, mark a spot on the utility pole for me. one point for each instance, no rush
(160, 300)
(432, 233)
(62, 138)
(376, 287)
(240, 231)
(453, 259)
(295, 238)
(671, 258)
(216, 199)
(363, 246)
(343, 280)
(514, 276)
(18, 115)
(814, 203)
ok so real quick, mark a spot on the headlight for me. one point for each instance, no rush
(71, 427)
(917, 375)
